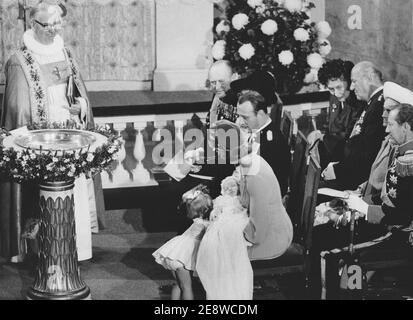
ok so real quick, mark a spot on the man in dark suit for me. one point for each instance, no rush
(273, 147)
(367, 135)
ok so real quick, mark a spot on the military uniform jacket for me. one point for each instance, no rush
(221, 110)
(397, 191)
(362, 146)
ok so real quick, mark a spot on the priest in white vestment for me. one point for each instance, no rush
(37, 77)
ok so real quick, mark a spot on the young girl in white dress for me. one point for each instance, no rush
(223, 265)
(180, 253)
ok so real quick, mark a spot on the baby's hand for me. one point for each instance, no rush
(195, 169)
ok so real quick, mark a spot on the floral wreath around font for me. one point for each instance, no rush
(52, 166)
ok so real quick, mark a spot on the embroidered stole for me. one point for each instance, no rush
(39, 103)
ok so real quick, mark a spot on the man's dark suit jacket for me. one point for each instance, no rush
(361, 149)
(275, 150)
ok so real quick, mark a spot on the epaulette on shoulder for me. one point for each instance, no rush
(380, 98)
(404, 164)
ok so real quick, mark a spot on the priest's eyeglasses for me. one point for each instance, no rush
(48, 26)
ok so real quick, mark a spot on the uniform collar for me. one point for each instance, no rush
(375, 92)
(405, 147)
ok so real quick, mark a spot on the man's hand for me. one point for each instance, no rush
(195, 168)
(344, 219)
(74, 109)
(83, 108)
(356, 203)
(328, 173)
(193, 156)
(79, 108)
(356, 192)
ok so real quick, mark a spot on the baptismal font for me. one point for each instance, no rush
(54, 158)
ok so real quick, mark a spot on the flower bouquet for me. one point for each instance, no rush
(274, 36)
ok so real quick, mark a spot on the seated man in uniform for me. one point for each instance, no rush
(223, 106)
(394, 95)
(364, 142)
(395, 209)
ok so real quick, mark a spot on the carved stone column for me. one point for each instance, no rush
(140, 173)
(183, 40)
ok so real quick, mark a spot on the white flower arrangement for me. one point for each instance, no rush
(324, 30)
(276, 36)
(239, 21)
(315, 60)
(286, 57)
(300, 34)
(254, 3)
(260, 9)
(246, 51)
(325, 47)
(222, 27)
(218, 50)
(269, 27)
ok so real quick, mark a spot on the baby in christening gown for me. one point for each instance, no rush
(223, 265)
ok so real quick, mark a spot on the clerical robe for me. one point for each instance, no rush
(27, 100)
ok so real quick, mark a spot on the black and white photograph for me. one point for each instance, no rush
(222, 151)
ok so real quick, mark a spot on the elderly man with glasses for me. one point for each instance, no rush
(39, 77)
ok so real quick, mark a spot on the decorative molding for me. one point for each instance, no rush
(118, 85)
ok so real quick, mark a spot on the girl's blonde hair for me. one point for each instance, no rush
(201, 206)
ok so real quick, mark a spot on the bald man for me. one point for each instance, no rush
(223, 106)
(367, 135)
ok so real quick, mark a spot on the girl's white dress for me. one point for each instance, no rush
(223, 265)
(181, 251)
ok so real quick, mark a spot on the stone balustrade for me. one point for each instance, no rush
(141, 135)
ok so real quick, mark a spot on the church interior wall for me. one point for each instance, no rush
(377, 30)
